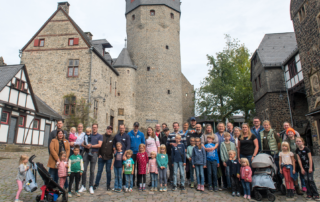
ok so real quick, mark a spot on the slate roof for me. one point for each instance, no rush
(7, 72)
(124, 60)
(131, 5)
(45, 109)
(275, 48)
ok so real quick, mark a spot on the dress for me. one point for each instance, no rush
(142, 160)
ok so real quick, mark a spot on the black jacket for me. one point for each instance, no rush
(234, 167)
(190, 135)
(53, 135)
(106, 149)
(163, 140)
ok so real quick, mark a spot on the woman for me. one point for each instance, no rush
(185, 128)
(236, 134)
(57, 145)
(152, 142)
(248, 145)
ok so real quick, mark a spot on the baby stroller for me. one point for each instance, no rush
(264, 180)
(50, 190)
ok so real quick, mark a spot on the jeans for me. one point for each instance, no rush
(212, 173)
(162, 176)
(54, 175)
(179, 165)
(311, 186)
(246, 187)
(228, 177)
(129, 178)
(118, 178)
(101, 164)
(303, 182)
(199, 173)
(154, 180)
(170, 168)
(191, 171)
(93, 161)
(224, 179)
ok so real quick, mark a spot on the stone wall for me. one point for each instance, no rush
(188, 103)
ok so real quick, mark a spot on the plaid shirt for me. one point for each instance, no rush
(172, 139)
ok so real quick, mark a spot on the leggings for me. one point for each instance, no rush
(287, 177)
(20, 187)
(162, 176)
(142, 178)
(74, 177)
(62, 181)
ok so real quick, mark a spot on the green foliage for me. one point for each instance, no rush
(79, 112)
(227, 89)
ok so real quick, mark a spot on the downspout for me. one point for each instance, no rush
(284, 75)
(90, 82)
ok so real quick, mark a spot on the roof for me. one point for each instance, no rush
(275, 48)
(131, 5)
(124, 60)
(7, 72)
(45, 109)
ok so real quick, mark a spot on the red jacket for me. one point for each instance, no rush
(246, 172)
(142, 160)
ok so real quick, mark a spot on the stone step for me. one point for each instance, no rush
(15, 148)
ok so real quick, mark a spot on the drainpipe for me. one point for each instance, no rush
(90, 82)
(284, 74)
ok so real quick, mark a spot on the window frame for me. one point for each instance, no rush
(23, 122)
(17, 84)
(133, 17)
(120, 110)
(34, 121)
(71, 39)
(70, 106)
(152, 13)
(73, 67)
(172, 16)
(41, 40)
(7, 114)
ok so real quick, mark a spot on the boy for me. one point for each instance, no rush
(234, 172)
(178, 156)
(164, 141)
(189, 155)
(212, 164)
(128, 170)
(225, 147)
(75, 169)
(117, 164)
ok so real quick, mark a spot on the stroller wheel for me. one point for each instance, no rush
(271, 196)
(283, 189)
(257, 195)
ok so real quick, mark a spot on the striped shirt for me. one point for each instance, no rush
(172, 139)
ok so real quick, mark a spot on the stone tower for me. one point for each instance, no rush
(153, 31)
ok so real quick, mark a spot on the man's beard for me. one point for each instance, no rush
(198, 131)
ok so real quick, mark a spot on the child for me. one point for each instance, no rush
(162, 161)
(75, 169)
(142, 160)
(87, 140)
(72, 135)
(178, 155)
(199, 161)
(153, 170)
(246, 179)
(62, 166)
(128, 170)
(234, 172)
(307, 168)
(189, 157)
(287, 167)
(225, 147)
(212, 163)
(21, 177)
(117, 164)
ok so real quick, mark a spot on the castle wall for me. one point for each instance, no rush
(188, 103)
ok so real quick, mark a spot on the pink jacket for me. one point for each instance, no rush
(246, 172)
(72, 137)
(62, 169)
(152, 166)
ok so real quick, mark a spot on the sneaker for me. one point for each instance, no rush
(140, 188)
(126, 190)
(69, 195)
(309, 197)
(249, 197)
(113, 189)
(233, 194)
(78, 194)
(151, 189)
(304, 189)
(108, 188)
(316, 198)
(130, 190)
(119, 190)
(82, 189)
(182, 188)
(160, 189)
(174, 188)
(155, 189)
(238, 194)
(245, 196)
(165, 189)
(192, 185)
(199, 187)
(91, 190)
(95, 187)
(220, 189)
(215, 189)
(143, 189)
(202, 188)
(210, 188)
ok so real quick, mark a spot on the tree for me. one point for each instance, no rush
(227, 89)
(78, 111)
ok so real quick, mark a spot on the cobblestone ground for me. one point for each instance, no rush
(8, 186)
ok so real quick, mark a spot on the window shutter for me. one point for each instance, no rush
(76, 41)
(36, 42)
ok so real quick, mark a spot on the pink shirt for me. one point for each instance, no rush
(152, 166)
(152, 144)
(62, 169)
(72, 137)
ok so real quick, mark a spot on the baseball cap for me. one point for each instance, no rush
(166, 129)
(136, 124)
(109, 128)
(192, 119)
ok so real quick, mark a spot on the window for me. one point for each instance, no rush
(172, 16)
(95, 109)
(152, 12)
(120, 112)
(259, 81)
(110, 84)
(118, 94)
(17, 84)
(22, 121)
(69, 105)
(22, 85)
(73, 41)
(169, 92)
(293, 72)
(70, 42)
(5, 117)
(255, 81)
(115, 89)
(133, 17)
(148, 68)
(36, 124)
(73, 68)
(167, 47)
(41, 42)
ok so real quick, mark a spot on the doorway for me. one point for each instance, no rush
(12, 130)
(46, 135)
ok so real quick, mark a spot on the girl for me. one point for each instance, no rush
(142, 160)
(189, 157)
(117, 164)
(62, 166)
(199, 161)
(162, 161)
(307, 168)
(22, 169)
(245, 174)
(153, 170)
(287, 168)
(72, 135)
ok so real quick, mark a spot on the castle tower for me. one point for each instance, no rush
(153, 31)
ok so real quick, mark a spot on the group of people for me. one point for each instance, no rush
(220, 160)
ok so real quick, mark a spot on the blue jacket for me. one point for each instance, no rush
(221, 139)
(198, 156)
(212, 156)
(178, 154)
(136, 140)
(124, 139)
(257, 134)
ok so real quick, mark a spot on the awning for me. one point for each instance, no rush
(313, 113)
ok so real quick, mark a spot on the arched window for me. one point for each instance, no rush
(133, 17)
(152, 12)
(172, 16)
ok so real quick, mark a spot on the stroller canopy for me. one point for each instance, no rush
(264, 161)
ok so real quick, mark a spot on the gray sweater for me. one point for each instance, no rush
(22, 172)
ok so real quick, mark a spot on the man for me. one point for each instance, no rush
(230, 128)
(96, 142)
(105, 157)
(80, 138)
(53, 134)
(197, 133)
(136, 138)
(256, 129)
(157, 130)
(164, 125)
(283, 134)
(193, 123)
(220, 134)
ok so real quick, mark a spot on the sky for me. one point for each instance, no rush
(204, 24)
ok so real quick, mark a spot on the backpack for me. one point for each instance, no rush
(30, 184)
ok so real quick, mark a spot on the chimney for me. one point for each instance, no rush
(65, 6)
(2, 62)
(89, 35)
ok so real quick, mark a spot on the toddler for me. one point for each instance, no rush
(153, 170)
(128, 170)
(234, 173)
(162, 161)
(87, 140)
(246, 174)
(142, 160)
(72, 135)
(21, 177)
(62, 166)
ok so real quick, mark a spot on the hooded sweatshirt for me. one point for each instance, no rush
(136, 140)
